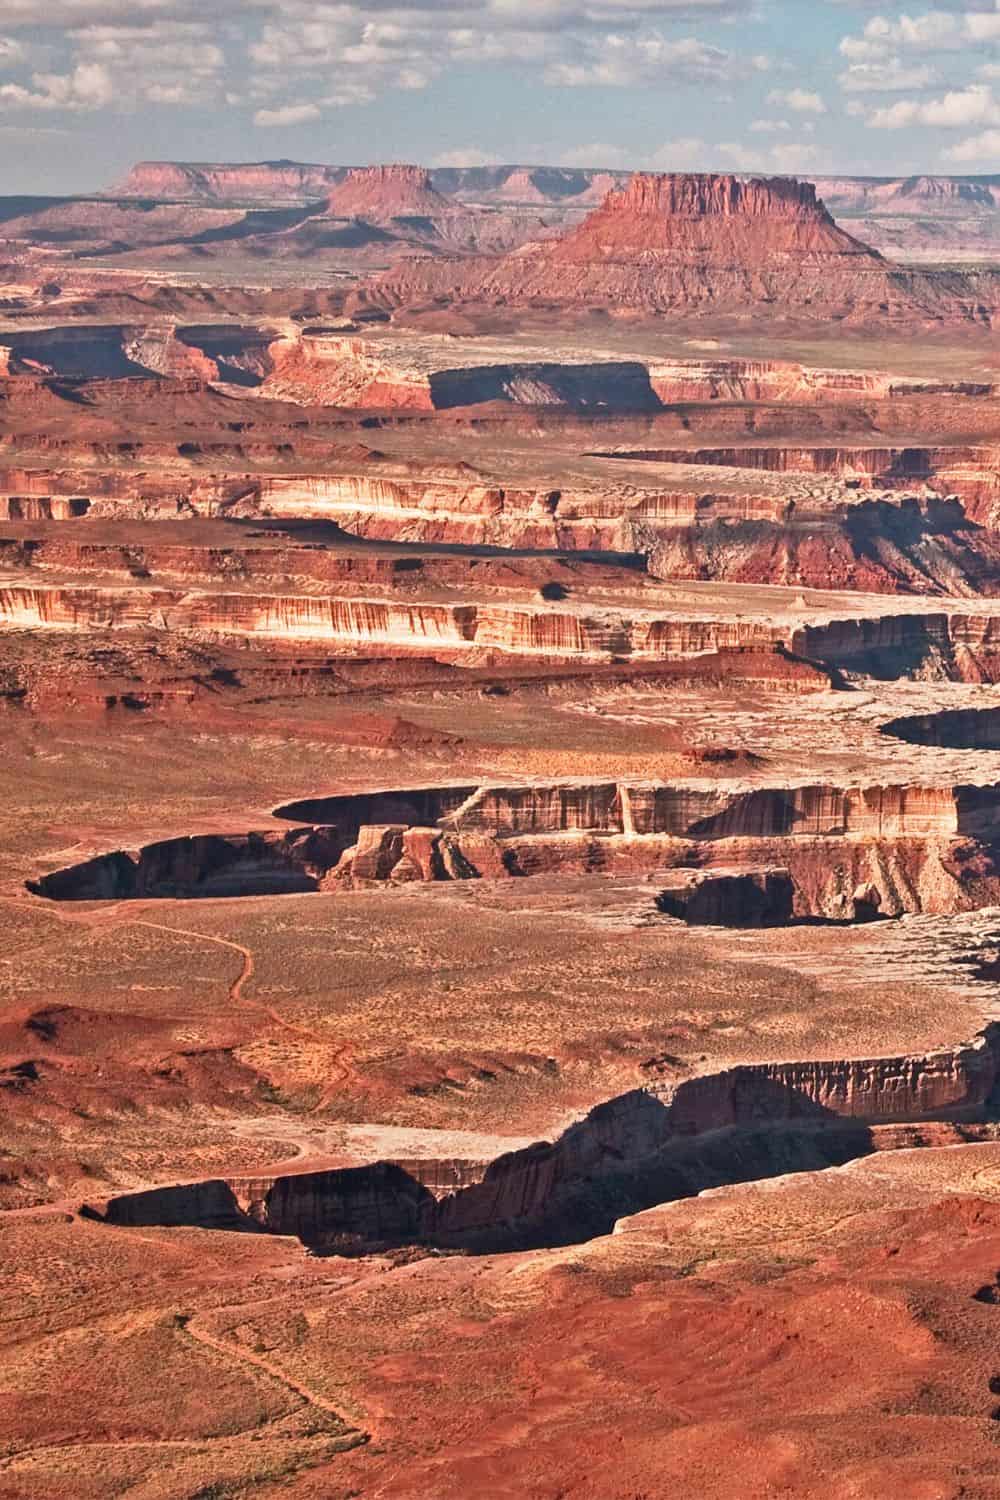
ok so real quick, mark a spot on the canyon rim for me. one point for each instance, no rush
(500, 697)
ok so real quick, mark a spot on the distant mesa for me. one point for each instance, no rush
(699, 243)
(262, 181)
(387, 192)
(705, 219)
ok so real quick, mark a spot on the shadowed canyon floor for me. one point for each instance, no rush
(501, 844)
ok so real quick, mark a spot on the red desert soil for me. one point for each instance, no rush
(501, 848)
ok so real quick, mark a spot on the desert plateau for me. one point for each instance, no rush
(500, 704)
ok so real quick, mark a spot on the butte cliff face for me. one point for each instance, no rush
(262, 180)
(702, 219)
(382, 193)
(703, 243)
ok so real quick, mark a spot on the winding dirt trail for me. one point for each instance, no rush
(340, 1070)
(236, 996)
(246, 972)
(241, 1356)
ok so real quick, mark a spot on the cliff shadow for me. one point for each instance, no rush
(951, 729)
(611, 385)
(625, 1157)
(199, 1205)
(211, 865)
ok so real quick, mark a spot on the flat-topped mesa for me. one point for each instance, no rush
(946, 192)
(387, 192)
(691, 244)
(709, 219)
(261, 180)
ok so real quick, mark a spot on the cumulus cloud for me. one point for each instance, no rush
(63, 15)
(783, 158)
(559, 13)
(889, 76)
(620, 61)
(287, 114)
(984, 147)
(959, 108)
(803, 101)
(466, 156)
(914, 52)
(624, 60)
(281, 55)
(933, 31)
(88, 87)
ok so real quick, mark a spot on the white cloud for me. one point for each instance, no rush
(560, 13)
(798, 159)
(768, 127)
(984, 147)
(692, 154)
(288, 114)
(803, 101)
(687, 153)
(621, 61)
(886, 77)
(930, 32)
(934, 31)
(959, 108)
(465, 156)
(88, 87)
(983, 28)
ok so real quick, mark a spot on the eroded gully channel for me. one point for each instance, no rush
(654, 1144)
(650, 1146)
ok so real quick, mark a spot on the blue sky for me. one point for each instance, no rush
(799, 86)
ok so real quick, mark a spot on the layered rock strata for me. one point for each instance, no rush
(919, 641)
(844, 854)
(641, 1148)
(265, 180)
(702, 243)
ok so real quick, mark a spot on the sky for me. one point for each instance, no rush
(776, 86)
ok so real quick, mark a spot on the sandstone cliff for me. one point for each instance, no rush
(640, 1148)
(698, 243)
(266, 180)
(845, 854)
(383, 193)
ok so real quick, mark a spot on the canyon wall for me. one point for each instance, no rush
(843, 854)
(209, 865)
(644, 1147)
(530, 630)
(961, 647)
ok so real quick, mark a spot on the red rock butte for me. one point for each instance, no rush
(386, 192)
(691, 243)
(500, 860)
(706, 219)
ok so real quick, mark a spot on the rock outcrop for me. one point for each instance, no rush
(704, 220)
(638, 1149)
(844, 854)
(384, 193)
(695, 243)
(884, 642)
